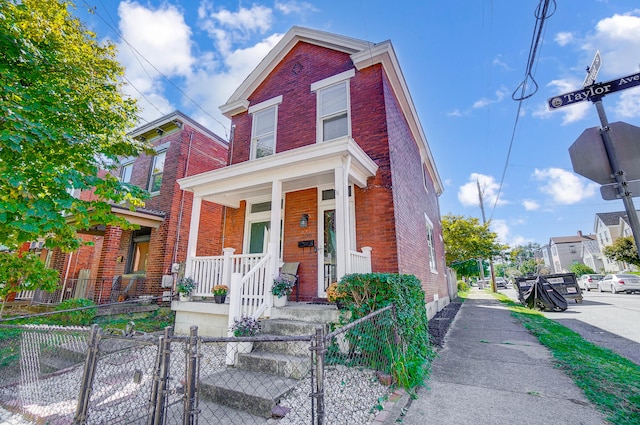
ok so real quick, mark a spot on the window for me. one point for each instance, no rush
(431, 247)
(263, 127)
(156, 172)
(425, 177)
(333, 106)
(125, 172)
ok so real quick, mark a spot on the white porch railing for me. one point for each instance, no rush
(360, 261)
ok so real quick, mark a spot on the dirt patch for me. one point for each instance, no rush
(439, 324)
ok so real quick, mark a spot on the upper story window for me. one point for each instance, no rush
(155, 181)
(125, 172)
(263, 129)
(431, 246)
(333, 106)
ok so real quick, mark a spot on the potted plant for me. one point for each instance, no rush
(220, 293)
(245, 326)
(281, 289)
(185, 287)
(333, 296)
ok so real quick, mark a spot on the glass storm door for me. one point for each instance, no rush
(327, 254)
(258, 236)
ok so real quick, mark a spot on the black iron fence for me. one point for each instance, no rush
(89, 376)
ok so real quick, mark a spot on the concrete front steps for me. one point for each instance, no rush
(273, 368)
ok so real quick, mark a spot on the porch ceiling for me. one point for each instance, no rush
(301, 168)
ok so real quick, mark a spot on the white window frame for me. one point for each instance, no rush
(152, 175)
(431, 246)
(260, 109)
(339, 79)
(424, 176)
(126, 165)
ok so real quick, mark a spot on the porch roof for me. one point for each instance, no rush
(300, 168)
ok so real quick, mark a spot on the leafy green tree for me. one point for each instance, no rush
(579, 269)
(624, 250)
(466, 239)
(23, 272)
(63, 125)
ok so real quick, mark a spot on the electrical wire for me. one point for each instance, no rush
(543, 12)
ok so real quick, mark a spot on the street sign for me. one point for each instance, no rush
(589, 157)
(594, 91)
(592, 72)
(609, 192)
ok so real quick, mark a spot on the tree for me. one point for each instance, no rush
(466, 239)
(624, 250)
(579, 269)
(63, 125)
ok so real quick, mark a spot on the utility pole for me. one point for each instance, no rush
(484, 220)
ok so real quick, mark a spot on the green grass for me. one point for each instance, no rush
(608, 380)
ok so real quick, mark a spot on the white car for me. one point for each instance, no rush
(628, 283)
(588, 282)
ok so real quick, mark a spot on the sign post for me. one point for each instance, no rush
(595, 93)
(592, 71)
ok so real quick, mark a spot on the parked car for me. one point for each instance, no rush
(628, 283)
(588, 282)
(501, 282)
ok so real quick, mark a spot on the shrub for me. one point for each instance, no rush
(245, 326)
(84, 317)
(282, 287)
(462, 286)
(362, 294)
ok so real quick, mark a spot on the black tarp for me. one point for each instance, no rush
(543, 296)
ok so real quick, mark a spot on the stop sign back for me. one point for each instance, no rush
(589, 158)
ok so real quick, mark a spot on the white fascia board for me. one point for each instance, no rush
(286, 166)
(384, 54)
(230, 109)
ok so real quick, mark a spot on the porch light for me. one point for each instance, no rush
(304, 220)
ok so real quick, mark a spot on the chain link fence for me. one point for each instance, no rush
(292, 373)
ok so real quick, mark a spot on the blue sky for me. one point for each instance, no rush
(462, 61)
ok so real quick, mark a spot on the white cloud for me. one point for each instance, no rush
(530, 205)
(501, 64)
(294, 7)
(468, 193)
(562, 186)
(564, 38)
(501, 228)
(500, 95)
(628, 105)
(572, 113)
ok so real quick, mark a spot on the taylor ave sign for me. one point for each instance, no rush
(594, 91)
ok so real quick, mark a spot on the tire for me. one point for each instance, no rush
(599, 288)
(613, 289)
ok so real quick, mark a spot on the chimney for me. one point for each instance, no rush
(580, 233)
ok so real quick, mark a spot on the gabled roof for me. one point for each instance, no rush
(611, 218)
(363, 54)
(570, 239)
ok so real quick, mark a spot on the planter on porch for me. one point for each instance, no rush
(279, 301)
(245, 347)
(219, 299)
(185, 297)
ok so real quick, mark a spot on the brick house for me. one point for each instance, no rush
(128, 263)
(329, 167)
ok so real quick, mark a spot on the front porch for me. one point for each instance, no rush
(249, 281)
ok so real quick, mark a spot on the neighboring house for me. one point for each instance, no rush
(567, 250)
(329, 167)
(609, 227)
(128, 263)
(592, 256)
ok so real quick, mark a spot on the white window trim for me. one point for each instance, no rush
(433, 264)
(424, 176)
(343, 77)
(262, 106)
(163, 149)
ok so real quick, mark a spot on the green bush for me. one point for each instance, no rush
(462, 286)
(83, 317)
(361, 294)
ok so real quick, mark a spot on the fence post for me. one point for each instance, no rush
(93, 348)
(318, 351)
(189, 414)
(227, 266)
(154, 385)
(165, 358)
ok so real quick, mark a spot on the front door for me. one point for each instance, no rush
(327, 259)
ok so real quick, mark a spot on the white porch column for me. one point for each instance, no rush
(342, 218)
(194, 226)
(276, 218)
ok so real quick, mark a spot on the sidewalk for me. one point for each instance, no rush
(492, 371)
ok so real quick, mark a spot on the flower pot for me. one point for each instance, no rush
(245, 347)
(279, 301)
(219, 299)
(185, 297)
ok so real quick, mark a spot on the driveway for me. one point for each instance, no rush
(608, 320)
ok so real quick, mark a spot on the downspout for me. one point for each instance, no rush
(186, 170)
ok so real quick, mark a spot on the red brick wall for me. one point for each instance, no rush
(412, 202)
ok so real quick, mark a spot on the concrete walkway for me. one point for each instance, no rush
(491, 370)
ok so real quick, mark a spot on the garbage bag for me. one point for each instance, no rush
(543, 296)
